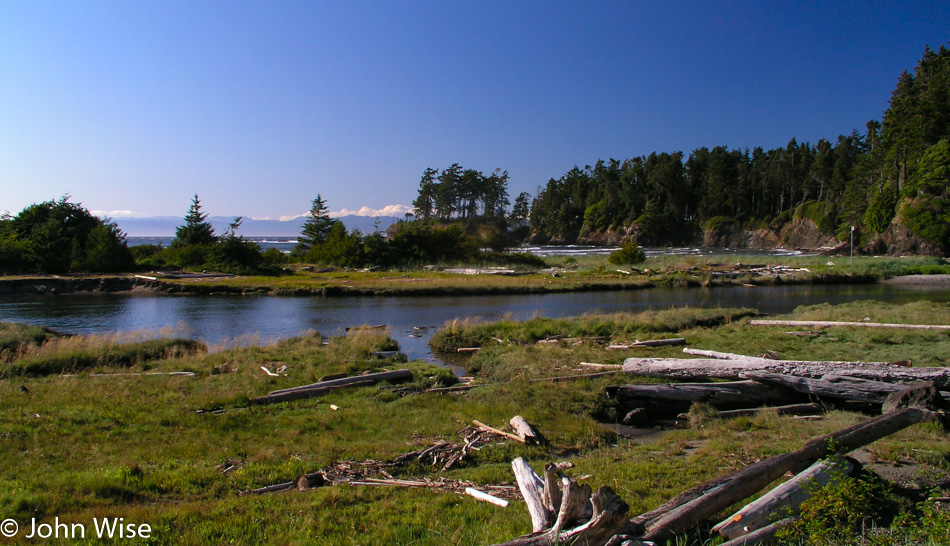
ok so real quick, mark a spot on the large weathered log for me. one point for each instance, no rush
(323, 387)
(784, 499)
(834, 324)
(732, 369)
(852, 389)
(671, 399)
(699, 503)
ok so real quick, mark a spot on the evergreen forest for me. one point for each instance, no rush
(891, 176)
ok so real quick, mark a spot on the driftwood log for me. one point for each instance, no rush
(568, 513)
(525, 431)
(669, 400)
(784, 499)
(835, 387)
(323, 387)
(697, 504)
(834, 324)
(733, 368)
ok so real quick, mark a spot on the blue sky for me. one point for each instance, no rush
(133, 107)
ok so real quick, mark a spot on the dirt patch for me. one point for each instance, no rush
(918, 479)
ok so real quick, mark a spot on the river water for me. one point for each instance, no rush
(222, 321)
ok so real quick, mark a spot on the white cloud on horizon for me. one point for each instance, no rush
(388, 210)
(114, 213)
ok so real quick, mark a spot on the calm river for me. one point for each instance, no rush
(228, 320)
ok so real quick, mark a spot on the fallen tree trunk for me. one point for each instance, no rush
(699, 503)
(732, 369)
(672, 399)
(833, 324)
(323, 387)
(851, 389)
(781, 410)
(784, 499)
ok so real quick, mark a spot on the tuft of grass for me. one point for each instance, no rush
(82, 353)
(16, 337)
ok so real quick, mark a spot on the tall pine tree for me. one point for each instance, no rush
(316, 228)
(197, 230)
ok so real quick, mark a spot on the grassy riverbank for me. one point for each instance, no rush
(176, 452)
(570, 274)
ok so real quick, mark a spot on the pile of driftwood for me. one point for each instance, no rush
(563, 511)
(443, 455)
(748, 382)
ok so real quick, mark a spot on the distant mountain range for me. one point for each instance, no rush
(164, 226)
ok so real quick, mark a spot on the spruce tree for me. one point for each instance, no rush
(197, 230)
(316, 228)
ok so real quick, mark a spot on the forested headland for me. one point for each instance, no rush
(890, 181)
(886, 188)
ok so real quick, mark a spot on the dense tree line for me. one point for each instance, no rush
(895, 167)
(461, 193)
(61, 237)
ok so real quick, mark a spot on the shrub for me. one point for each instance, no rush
(629, 253)
(844, 512)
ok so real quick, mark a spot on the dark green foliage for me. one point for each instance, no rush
(420, 243)
(235, 254)
(461, 193)
(149, 256)
(627, 254)
(317, 227)
(188, 255)
(338, 247)
(844, 512)
(197, 230)
(927, 209)
(856, 181)
(12, 249)
(61, 237)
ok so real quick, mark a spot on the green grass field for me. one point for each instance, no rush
(83, 439)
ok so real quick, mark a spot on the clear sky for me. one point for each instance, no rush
(259, 106)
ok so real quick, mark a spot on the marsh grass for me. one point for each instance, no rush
(54, 355)
(77, 447)
(618, 326)
(579, 273)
